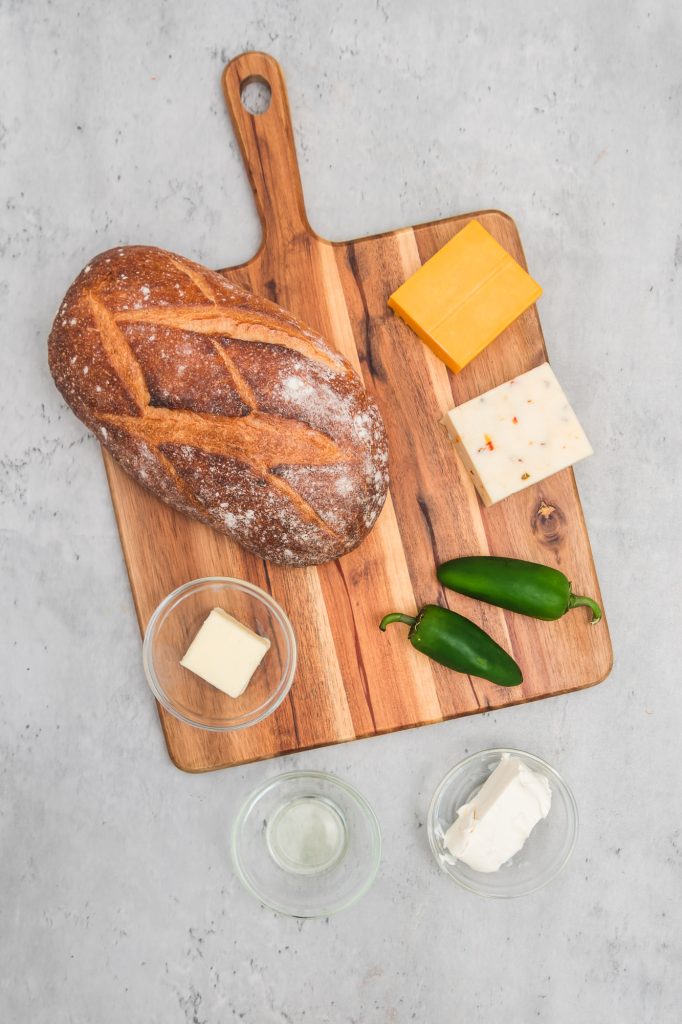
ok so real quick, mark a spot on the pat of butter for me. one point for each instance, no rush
(497, 822)
(225, 653)
(464, 296)
(517, 434)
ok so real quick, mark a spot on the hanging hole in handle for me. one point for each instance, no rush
(255, 94)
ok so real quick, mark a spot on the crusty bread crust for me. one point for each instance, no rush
(222, 404)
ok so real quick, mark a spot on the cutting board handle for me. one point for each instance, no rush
(267, 144)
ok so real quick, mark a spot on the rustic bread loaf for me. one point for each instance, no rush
(222, 404)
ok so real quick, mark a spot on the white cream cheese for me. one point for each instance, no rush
(225, 653)
(493, 826)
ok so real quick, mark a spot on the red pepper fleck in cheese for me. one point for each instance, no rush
(464, 296)
(508, 440)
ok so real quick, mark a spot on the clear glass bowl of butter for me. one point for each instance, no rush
(175, 625)
(544, 853)
(306, 844)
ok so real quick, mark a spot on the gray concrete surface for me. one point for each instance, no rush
(117, 899)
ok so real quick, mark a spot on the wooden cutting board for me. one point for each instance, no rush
(352, 680)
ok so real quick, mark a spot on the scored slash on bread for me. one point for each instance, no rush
(222, 404)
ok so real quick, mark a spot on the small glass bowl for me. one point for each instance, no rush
(174, 625)
(547, 849)
(306, 844)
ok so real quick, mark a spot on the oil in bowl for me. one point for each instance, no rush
(307, 835)
(306, 844)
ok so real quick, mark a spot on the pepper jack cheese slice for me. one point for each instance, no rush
(225, 653)
(517, 434)
(464, 296)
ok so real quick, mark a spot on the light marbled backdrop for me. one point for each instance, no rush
(118, 902)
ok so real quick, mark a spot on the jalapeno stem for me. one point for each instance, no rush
(409, 620)
(575, 600)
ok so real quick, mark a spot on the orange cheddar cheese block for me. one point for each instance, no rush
(464, 296)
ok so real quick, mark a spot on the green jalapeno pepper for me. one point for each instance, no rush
(525, 587)
(458, 643)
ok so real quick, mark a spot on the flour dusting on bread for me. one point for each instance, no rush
(222, 404)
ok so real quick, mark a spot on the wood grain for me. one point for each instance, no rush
(353, 681)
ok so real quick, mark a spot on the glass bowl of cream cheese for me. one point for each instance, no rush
(502, 823)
